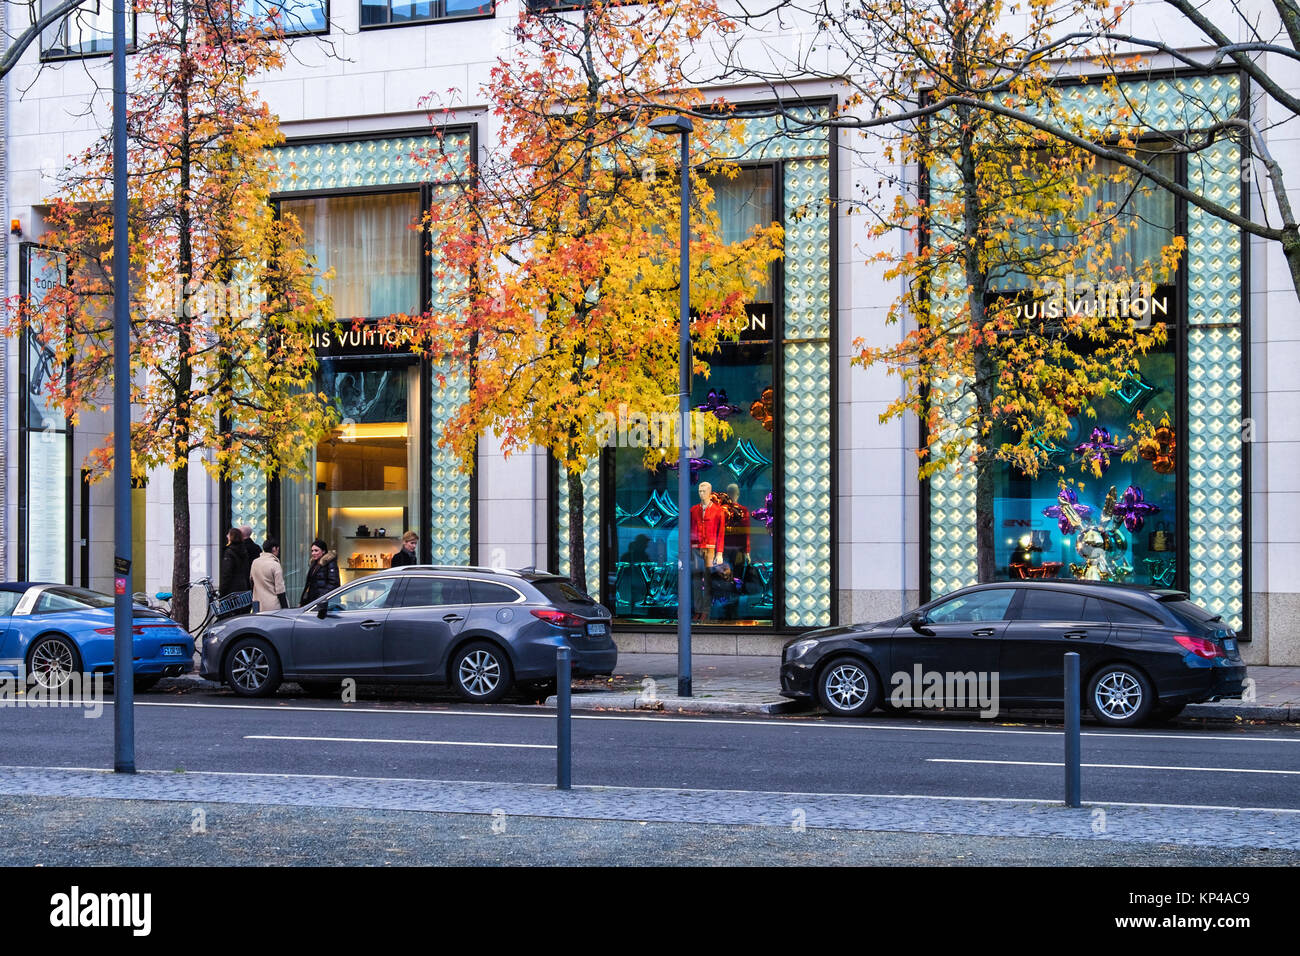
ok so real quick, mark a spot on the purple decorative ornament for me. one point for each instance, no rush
(765, 514)
(1097, 450)
(1133, 509)
(718, 405)
(697, 465)
(1067, 506)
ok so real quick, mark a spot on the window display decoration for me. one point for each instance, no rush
(717, 405)
(697, 465)
(1135, 391)
(1160, 449)
(745, 462)
(1067, 511)
(1162, 570)
(1133, 510)
(761, 410)
(767, 513)
(659, 509)
(248, 501)
(1097, 450)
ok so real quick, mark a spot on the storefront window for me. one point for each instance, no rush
(369, 243)
(1115, 520)
(86, 30)
(733, 569)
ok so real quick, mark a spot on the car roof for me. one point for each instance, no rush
(1116, 588)
(24, 585)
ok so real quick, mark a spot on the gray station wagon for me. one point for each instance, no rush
(480, 630)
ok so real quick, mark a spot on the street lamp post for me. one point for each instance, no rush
(682, 126)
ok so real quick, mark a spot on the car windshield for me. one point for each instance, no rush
(54, 600)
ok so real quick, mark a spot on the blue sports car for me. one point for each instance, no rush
(50, 631)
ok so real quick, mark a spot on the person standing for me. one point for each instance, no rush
(234, 565)
(322, 573)
(708, 531)
(406, 556)
(250, 546)
(268, 579)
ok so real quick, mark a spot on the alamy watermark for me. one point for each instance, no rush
(79, 690)
(633, 428)
(922, 688)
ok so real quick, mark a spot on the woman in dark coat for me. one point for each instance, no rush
(322, 573)
(234, 565)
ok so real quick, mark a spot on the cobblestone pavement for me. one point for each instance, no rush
(48, 831)
(1169, 825)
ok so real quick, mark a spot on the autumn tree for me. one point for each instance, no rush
(222, 300)
(562, 242)
(1001, 218)
(839, 41)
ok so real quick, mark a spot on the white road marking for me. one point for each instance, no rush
(1112, 766)
(386, 740)
(1056, 800)
(721, 719)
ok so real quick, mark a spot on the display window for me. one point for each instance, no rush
(1114, 520)
(731, 521)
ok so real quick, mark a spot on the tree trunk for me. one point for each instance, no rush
(181, 557)
(1291, 249)
(577, 542)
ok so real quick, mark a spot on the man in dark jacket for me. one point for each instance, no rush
(322, 573)
(234, 565)
(250, 546)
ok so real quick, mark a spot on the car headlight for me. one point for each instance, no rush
(799, 648)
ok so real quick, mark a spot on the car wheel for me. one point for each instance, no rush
(52, 661)
(481, 672)
(320, 688)
(847, 687)
(252, 669)
(1120, 696)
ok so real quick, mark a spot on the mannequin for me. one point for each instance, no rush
(708, 530)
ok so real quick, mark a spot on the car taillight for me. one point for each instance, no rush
(1199, 646)
(560, 618)
(135, 629)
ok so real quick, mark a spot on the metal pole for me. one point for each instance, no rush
(1072, 747)
(563, 721)
(683, 441)
(123, 668)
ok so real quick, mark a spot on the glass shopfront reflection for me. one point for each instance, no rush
(1116, 520)
(732, 553)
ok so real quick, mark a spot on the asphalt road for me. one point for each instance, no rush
(1248, 767)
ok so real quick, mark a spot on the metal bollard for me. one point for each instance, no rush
(1072, 746)
(563, 721)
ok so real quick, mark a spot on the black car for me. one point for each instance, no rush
(481, 630)
(1145, 653)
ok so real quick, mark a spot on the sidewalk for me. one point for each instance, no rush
(727, 684)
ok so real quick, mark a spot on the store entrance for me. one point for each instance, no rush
(366, 471)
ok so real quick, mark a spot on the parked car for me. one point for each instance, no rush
(1145, 653)
(49, 632)
(480, 630)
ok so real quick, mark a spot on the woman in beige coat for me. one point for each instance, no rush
(268, 579)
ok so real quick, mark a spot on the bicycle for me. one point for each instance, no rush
(214, 608)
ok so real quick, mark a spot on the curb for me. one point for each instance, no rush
(679, 705)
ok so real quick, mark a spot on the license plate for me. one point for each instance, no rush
(597, 630)
(172, 650)
(1230, 646)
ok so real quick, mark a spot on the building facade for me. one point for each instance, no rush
(827, 523)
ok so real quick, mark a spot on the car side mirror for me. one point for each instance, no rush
(322, 609)
(918, 622)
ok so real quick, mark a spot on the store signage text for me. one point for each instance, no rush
(1141, 301)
